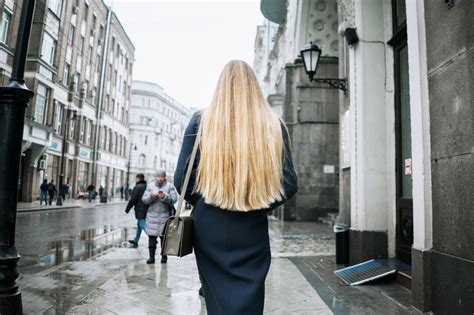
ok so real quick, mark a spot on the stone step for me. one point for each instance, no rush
(329, 219)
(404, 278)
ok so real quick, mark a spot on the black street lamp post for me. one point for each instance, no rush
(14, 98)
(70, 115)
(127, 186)
(310, 54)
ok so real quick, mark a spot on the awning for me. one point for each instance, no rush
(274, 10)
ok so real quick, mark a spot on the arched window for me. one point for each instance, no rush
(142, 160)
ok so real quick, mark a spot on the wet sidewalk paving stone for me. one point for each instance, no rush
(117, 281)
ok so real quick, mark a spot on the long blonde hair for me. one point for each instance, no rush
(241, 164)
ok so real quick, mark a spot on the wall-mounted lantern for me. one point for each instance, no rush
(310, 54)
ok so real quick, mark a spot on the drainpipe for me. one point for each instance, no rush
(103, 70)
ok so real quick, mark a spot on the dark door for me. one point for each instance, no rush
(404, 197)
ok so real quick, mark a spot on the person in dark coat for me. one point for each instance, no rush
(44, 192)
(51, 191)
(140, 207)
(160, 195)
(231, 240)
(90, 191)
(121, 192)
(63, 191)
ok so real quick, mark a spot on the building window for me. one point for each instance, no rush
(94, 96)
(41, 100)
(102, 138)
(89, 55)
(89, 133)
(75, 82)
(83, 125)
(86, 12)
(55, 6)
(142, 160)
(59, 118)
(80, 46)
(6, 17)
(49, 49)
(66, 74)
(70, 35)
(146, 140)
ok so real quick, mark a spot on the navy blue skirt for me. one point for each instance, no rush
(233, 257)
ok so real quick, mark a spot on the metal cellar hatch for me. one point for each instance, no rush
(370, 270)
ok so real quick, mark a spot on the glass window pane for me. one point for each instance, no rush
(4, 27)
(40, 105)
(401, 12)
(405, 126)
(49, 49)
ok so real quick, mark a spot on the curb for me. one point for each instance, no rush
(46, 209)
(42, 209)
(109, 204)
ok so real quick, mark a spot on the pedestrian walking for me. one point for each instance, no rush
(44, 192)
(121, 192)
(63, 191)
(51, 191)
(101, 191)
(160, 196)
(140, 207)
(90, 191)
(244, 168)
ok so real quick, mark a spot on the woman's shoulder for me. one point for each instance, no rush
(194, 122)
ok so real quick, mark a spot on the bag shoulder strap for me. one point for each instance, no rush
(184, 188)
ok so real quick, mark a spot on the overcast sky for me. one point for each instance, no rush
(183, 45)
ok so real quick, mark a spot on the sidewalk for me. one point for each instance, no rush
(118, 281)
(68, 204)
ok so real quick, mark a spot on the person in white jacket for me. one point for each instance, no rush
(160, 196)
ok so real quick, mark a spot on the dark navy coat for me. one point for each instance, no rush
(232, 248)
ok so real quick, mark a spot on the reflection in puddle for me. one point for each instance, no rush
(84, 245)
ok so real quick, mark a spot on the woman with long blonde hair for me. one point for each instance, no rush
(243, 169)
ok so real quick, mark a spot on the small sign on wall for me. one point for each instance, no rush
(408, 167)
(329, 169)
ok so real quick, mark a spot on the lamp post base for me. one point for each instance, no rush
(10, 295)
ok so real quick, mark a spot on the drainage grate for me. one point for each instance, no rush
(365, 272)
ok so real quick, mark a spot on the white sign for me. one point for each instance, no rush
(329, 169)
(408, 167)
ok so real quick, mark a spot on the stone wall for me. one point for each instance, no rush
(450, 57)
(311, 112)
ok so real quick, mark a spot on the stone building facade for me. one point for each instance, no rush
(79, 65)
(406, 167)
(309, 109)
(157, 124)
(406, 190)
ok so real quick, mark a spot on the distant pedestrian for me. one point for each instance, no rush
(244, 169)
(121, 192)
(126, 192)
(63, 191)
(90, 191)
(160, 196)
(51, 191)
(44, 192)
(101, 191)
(140, 207)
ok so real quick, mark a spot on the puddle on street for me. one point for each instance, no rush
(83, 245)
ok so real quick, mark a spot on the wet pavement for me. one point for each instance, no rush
(67, 204)
(77, 261)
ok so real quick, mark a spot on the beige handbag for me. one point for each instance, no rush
(178, 231)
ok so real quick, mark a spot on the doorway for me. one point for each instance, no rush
(403, 158)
